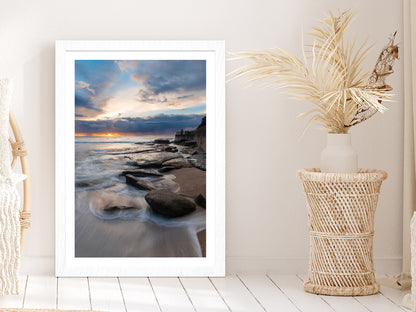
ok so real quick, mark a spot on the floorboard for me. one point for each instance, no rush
(203, 295)
(340, 304)
(171, 295)
(243, 292)
(267, 293)
(40, 292)
(394, 295)
(73, 294)
(106, 294)
(235, 294)
(292, 286)
(138, 295)
(378, 303)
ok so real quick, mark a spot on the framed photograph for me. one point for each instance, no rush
(140, 158)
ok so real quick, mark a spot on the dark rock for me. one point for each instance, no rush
(198, 161)
(200, 135)
(161, 141)
(190, 151)
(154, 159)
(195, 137)
(189, 143)
(142, 173)
(182, 136)
(203, 123)
(169, 204)
(177, 163)
(166, 169)
(171, 149)
(129, 162)
(116, 208)
(202, 238)
(146, 143)
(201, 201)
(138, 183)
(83, 184)
(140, 149)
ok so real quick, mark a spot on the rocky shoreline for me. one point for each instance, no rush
(156, 162)
(151, 195)
(175, 177)
(161, 178)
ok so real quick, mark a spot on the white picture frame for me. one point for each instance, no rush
(66, 264)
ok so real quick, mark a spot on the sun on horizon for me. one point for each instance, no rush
(110, 135)
(99, 134)
(138, 97)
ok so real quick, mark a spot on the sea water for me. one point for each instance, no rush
(100, 187)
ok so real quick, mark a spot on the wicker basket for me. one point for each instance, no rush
(19, 152)
(341, 210)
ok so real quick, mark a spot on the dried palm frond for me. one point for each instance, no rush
(330, 75)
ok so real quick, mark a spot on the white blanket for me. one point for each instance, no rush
(9, 203)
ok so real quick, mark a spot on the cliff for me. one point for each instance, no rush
(183, 136)
(197, 136)
(201, 134)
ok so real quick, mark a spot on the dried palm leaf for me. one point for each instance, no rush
(330, 75)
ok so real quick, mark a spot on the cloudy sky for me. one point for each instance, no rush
(138, 97)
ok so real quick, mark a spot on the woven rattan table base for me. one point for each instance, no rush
(341, 291)
(341, 209)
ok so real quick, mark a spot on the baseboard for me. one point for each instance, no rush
(297, 265)
(37, 266)
(46, 265)
(390, 266)
(264, 264)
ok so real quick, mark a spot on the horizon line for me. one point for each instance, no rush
(117, 135)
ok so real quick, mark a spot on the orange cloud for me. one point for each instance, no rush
(84, 85)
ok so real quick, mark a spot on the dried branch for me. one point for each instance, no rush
(377, 79)
(330, 75)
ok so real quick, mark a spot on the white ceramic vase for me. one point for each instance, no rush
(339, 156)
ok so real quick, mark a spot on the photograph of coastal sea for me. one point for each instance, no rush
(140, 158)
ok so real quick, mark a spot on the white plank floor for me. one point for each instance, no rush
(241, 292)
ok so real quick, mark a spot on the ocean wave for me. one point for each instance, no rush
(105, 204)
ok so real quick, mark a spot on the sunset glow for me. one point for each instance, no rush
(100, 134)
(138, 97)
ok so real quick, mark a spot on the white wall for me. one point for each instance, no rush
(266, 216)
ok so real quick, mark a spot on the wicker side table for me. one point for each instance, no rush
(341, 210)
